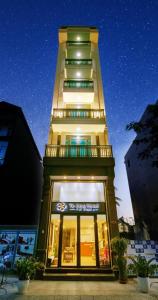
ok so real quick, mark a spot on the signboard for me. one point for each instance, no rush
(80, 207)
(15, 244)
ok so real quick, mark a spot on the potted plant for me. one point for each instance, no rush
(119, 248)
(115, 271)
(25, 269)
(39, 270)
(142, 268)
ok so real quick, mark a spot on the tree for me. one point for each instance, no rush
(147, 134)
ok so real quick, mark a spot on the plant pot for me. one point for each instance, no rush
(39, 274)
(143, 284)
(123, 281)
(23, 286)
(116, 273)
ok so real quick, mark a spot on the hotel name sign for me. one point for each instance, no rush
(79, 207)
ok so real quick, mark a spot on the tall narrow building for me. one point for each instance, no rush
(78, 214)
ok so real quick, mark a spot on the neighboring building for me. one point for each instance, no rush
(126, 230)
(143, 184)
(20, 183)
(78, 214)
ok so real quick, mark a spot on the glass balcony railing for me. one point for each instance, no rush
(81, 151)
(78, 43)
(78, 84)
(79, 113)
(82, 62)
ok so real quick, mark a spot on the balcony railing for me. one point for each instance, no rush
(83, 62)
(67, 151)
(78, 43)
(79, 113)
(78, 84)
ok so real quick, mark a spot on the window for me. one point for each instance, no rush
(78, 192)
(128, 163)
(4, 130)
(3, 149)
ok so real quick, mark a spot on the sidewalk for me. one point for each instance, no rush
(79, 290)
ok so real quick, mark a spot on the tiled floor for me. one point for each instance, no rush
(79, 290)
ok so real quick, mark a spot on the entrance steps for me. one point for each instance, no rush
(79, 274)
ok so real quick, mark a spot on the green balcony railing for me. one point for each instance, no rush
(78, 84)
(78, 43)
(81, 151)
(79, 113)
(83, 62)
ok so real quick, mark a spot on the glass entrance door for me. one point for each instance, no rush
(69, 241)
(87, 241)
(79, 241)
(78, 146)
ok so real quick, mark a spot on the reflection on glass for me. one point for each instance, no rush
(87, 241)
(26, 243)
(54, 241)
(69, 241)
(103, 240)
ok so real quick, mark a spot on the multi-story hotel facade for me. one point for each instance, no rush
(78, 209)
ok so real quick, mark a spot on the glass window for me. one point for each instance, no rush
(78, 192)
(25, 244)
(69, 241)
(14, 245)
(3, 149)
(103, 240)
(87, 241)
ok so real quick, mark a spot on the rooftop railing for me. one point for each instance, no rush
(80, 151)
(79, 113)
(78, 84)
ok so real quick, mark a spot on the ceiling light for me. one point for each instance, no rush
(78, 177)
(92, 177)
(78, 54)
(78, 38)
(65, 177)
(78, 74)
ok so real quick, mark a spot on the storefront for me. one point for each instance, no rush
(78, 235)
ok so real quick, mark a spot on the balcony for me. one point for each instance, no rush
(79, 84)
(78, 151)
(88, 120)
(78, 91)
(96, 114)
(78, 62)
(78, 43)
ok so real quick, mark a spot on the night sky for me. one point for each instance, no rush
(128, 53)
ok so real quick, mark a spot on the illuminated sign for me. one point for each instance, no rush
(71, 207)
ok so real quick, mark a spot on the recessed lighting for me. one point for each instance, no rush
(78, 54)
(92, 177)
(78, 74)
(65, 177)
(78, 177)
(78, 38)
(78, 129)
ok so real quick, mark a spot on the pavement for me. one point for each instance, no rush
(79, 290)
